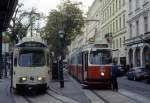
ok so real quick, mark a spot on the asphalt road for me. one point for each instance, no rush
(138, 87)
(129, 92)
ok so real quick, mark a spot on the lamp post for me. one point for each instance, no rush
(61, 37)
(1, 54)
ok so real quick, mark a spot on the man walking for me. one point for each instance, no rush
(115, 72)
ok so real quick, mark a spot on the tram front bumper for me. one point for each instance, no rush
(97, 81)
(38, 87)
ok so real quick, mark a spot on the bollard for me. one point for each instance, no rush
(61, 77)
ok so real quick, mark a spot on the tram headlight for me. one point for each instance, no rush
(23, 78)
(102, 73)
(40, 78)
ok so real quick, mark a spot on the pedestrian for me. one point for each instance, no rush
(131, 65)
(127, 68)
(115, 72)
(147, 75)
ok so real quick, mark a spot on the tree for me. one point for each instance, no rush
(68, 17)
(21, 22)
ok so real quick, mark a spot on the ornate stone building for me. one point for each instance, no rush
(138, 41)
(114, 25)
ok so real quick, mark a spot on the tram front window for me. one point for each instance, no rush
(31, 58)
(101, 57)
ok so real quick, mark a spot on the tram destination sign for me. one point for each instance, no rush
(32, 44)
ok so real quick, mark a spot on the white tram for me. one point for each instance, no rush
(31, 65)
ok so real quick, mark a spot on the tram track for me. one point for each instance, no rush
(27, 99)
(99, 96)
(129, 97)
(55, 97)
(51, 88)
(119, 93)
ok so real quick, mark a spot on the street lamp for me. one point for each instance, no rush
(61, 34)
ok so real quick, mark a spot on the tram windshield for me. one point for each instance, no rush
(101, 57)
(34, 58)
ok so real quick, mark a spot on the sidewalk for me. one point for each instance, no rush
(71, 89)
(5, 95)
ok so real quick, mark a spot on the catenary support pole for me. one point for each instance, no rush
(1, 54)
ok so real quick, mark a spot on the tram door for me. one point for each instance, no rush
(85, 65)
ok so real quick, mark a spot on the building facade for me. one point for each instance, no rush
(91, 31)
(93, 22)
(138, 41)
(114, 26)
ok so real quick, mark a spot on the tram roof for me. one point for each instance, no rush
(92, 47)
(89, 46)
(31, 42)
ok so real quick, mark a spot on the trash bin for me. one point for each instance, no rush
(55, 71)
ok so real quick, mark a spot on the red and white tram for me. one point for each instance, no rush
(92, 64)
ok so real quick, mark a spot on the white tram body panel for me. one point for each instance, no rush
(31, 65)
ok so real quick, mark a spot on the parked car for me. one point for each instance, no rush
(136, 73)
(121, 70)
(147, 75)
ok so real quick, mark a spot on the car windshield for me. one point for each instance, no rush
(34, 58)
(101, 57)
(137, 69)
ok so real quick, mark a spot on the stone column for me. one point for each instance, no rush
(149, 20)
(141, 56)
(134, 56)
(127, 56)
(118, 55)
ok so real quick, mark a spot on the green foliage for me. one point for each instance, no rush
(69, 17)
(21, 22)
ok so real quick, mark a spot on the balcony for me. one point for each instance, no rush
(144, 38)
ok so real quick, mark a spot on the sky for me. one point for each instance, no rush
(46, 5)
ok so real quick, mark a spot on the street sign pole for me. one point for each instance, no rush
(61, 38)
(1, 54)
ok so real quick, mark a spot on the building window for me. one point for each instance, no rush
(130, 30)
(120, 42)
(117, 43)
(116, 5)
(120, 26)
(116, 25)
(137, 27)
(124, 21)
(110, 28)
(119, 4)
(145, 1)
(114, 44)
(145, 24)
(113, 26)
(123, 2)
(130, 5)
(113, 8)
(124, 39)
(110, 10)
(137, 4)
